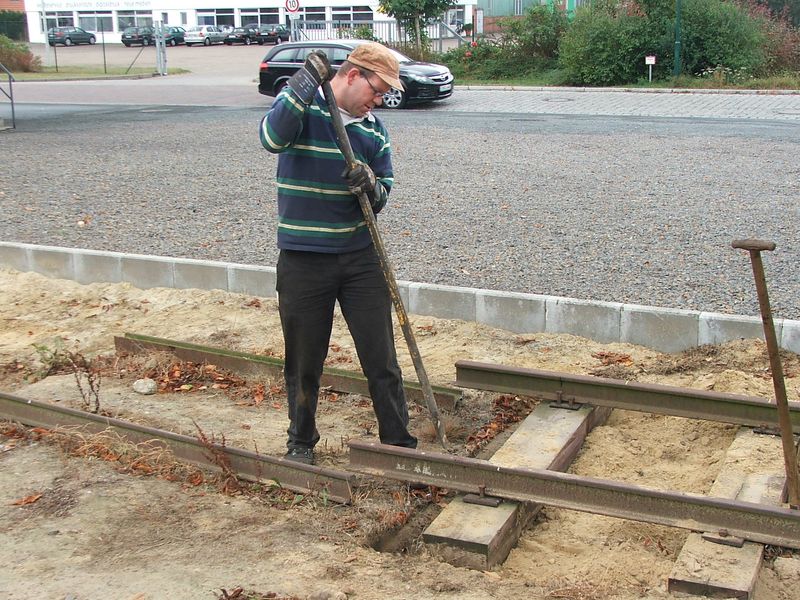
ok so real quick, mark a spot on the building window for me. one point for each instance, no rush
(517, 7)
(134, 18)
(315, 13)
(59, 19)
(352, 13)
(184, 18)
(96, 21)
(216, 16)
(262, 16)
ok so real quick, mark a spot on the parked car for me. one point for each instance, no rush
(423, 82)
(204, 34)
(69, 36)
(241, 35)
(174, 35)
(273, 34)
(138, 35)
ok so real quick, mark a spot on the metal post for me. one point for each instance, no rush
(789, 451)
(103, 42)
(46, 37)
(676, 68)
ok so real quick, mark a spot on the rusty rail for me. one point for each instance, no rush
(337, 485)
(628, 395)
(255, 364)
(754, 522)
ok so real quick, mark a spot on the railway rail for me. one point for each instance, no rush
(338, 485)
(749, 521)
(724, 517)
(629, 395)
(248, 364)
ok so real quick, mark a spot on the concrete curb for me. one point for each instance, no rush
(664, 329)
(565, 89)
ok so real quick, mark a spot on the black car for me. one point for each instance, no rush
(174, 35)
(273, 34)
(138, 35)
(241, 35)
(423, 82)
(69, 36)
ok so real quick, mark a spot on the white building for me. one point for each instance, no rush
(107, 18)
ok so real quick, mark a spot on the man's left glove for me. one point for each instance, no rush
(316, 71)
(361, 180)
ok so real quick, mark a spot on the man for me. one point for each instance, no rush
(326, 252)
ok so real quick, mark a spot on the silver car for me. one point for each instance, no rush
(204, 34)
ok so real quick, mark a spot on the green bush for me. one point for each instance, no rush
(607, 41)
(362, 32)
(526, 46)
(606, 45)
(536, 35)
(17, 57)
(482, 59)
(781, 38)
(727, 41)
(720, 34)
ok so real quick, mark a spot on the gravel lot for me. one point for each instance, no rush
(616, 209)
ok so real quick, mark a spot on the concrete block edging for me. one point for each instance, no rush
(663, 329)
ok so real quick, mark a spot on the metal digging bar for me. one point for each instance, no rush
(249, 465)
(755, 247)
(372, 224)
(755, 522)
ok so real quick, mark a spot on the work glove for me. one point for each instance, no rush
(316, 71)
(361, 180)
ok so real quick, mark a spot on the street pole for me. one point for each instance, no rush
(46, 37)
(676, 68)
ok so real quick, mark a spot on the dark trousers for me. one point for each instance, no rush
(308, 285)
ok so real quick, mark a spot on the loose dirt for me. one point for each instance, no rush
(93, 518)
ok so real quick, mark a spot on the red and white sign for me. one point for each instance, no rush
(648, 60)
(292, 5)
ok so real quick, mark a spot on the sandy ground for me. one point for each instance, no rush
(73, 525)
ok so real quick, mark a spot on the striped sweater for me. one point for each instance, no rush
(316, 211)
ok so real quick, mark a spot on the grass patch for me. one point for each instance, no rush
(86, 72)
(553, 79)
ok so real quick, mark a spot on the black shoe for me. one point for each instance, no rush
(300, 455)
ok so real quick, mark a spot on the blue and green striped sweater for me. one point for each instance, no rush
(316, 211)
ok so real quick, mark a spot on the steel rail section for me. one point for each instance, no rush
(754, 522)
(242, 362)
(616, 393)
(337, 485)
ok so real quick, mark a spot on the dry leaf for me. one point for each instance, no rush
(26, 500)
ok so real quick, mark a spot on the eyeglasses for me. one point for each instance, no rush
(375, 91)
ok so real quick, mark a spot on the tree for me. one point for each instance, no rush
(415, 13)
